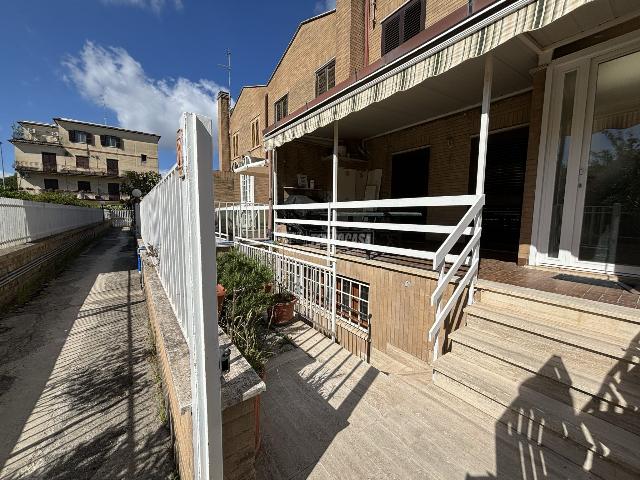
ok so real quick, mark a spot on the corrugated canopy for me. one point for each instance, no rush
(475, 41)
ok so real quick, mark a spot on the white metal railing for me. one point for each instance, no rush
(242, 220)
(23, 221)
(312, 283)
(119, 218)
(341, 215)
(469, 223)
(178, 229)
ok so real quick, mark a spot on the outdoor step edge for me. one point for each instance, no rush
(466, 337)
(563, 301)
(458, 369)
(570, 451)
(538, 326)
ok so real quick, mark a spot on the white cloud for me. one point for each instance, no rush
(112, 76)
(155, 5)
(324, 6)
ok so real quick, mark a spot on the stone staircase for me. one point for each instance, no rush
(558, 373)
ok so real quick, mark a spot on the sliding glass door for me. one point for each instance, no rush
(590, 209)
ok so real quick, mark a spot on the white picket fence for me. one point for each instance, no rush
(23, 221)
(119, 218)
(177, 225)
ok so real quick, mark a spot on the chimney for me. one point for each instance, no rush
(224, 149)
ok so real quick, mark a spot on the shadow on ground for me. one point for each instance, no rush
(80, 402)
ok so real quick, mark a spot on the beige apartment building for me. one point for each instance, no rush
(80, 157)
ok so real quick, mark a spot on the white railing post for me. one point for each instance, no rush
(177, 226)
(334, 182)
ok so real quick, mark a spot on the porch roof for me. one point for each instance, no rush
(436, 87)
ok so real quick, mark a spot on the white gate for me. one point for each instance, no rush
(119, 218)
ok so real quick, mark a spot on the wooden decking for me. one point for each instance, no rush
(327, 414)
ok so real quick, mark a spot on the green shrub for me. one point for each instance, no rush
(62, 198)
(246, 301)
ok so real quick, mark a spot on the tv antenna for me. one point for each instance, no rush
(227, 67)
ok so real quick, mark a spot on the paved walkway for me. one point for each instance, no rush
(77, 392)
(326, 415)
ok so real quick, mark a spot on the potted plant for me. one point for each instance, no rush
(283, 305)
(221, 292)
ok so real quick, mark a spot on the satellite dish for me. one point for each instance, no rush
(136, 193)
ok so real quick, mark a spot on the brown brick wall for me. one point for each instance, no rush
(299, 157)
(226, 185)
(224, 149)
(313, 47)
(350, 31)
(250, 106)
(449, 139)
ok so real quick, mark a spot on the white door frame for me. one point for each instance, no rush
(585, 63)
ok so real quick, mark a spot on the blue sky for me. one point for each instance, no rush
(144, 60)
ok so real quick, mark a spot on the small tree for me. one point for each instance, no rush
(10, 183)
(143, 181)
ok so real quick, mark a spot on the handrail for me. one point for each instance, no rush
(472, 247)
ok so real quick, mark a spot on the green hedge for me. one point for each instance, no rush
(61, 198)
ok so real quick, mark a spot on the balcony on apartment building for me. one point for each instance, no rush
(112, 169)
(32, 135)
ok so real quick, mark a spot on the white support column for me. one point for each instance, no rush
(334, 230)
(274, 167)
(484, 123)
(482, 158)
(334, 195)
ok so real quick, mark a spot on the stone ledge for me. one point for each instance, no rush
(239, 384)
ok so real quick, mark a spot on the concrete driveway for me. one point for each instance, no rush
(77, 393)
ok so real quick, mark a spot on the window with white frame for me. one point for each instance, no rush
(352, 302)
(246, 189)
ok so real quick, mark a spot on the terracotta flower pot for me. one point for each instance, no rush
(221, 293)
(282, 313)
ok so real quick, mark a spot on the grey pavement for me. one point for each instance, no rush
(77, 392)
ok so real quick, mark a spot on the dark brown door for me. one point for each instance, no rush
(114, 191)
(49, 162)
(503, 187)
(112, 166)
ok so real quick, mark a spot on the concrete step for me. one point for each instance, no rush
(587, 315)
(525, 407)
(558, 330)
(616, 382)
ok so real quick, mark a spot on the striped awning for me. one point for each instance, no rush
(475, 41)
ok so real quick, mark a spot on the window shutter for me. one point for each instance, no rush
(331, 75)
(120, 143)
(72, 135)
(89, 138)
(412, 20)
(391, 34)
(103, 140)
(321, 82)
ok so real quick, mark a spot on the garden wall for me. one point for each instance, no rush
(241, 389)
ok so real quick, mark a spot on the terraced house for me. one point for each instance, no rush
(457, 183)
(85, 158)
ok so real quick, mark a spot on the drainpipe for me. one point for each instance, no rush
(367, 14)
